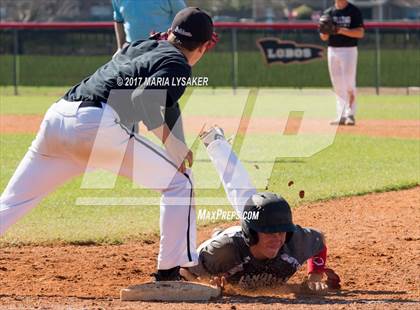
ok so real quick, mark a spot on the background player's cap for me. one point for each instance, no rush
(193, 24)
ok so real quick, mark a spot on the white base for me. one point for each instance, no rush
(170, 291)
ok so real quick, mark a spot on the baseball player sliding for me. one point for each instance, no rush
(342, 26)
(266, 249)
(93, 126)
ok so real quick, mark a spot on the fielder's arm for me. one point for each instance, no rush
(317, 269)
(177, 149)
(357, 33)
(119, 34)
(158, 108)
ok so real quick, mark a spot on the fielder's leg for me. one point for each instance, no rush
(35, 177)
(44, 167)
(135, 157)
(149, 165)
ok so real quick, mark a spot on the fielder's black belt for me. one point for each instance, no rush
(94, 104)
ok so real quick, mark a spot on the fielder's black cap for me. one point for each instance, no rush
(193, 24)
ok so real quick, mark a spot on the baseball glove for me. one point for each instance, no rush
(327, 25)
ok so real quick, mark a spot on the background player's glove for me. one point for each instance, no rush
(327, 25)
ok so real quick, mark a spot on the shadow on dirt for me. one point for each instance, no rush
(339, 297)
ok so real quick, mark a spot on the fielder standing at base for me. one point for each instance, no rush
(342, 26)
(91, 126)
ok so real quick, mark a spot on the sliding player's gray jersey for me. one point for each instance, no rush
(228, 254)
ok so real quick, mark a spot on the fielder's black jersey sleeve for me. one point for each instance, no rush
(143, 82)
(228, 254)
(350, 17)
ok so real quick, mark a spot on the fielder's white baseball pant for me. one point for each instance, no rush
(235, 179)
(63, 149)
(342, 65)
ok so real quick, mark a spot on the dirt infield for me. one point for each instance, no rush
(373, 243)
(375, 128)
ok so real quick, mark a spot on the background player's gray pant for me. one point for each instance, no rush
(63, 149)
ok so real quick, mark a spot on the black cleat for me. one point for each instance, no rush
(350, 121)
(167, 274)
(341, 121)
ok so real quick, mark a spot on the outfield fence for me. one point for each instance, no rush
(61, 54)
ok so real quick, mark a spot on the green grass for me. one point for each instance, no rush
(399, 68)
(389, 107)
(49, 70)
(36, 100)
(351, 166)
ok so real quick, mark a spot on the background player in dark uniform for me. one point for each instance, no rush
(267, 248)
(92, 126)
(347, 28)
